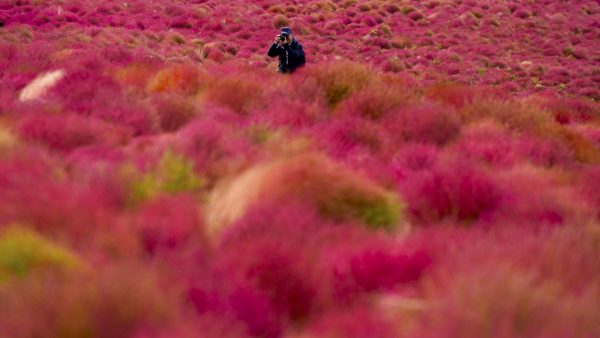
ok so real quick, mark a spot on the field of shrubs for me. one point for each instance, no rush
(434, 170)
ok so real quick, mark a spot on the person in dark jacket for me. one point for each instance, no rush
(289, 51)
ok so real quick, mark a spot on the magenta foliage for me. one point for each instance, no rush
(348, 135)
(352, 261)
(479, 118)
(427, 123)
(169, 223)
(546, 204)
(570, 110)
(35, 192)
(66, 133)
(352, 322)
(412, 158)
(493, 145)
(457, 190)
(375, 269)
(264, 251)
(209, 142)
(522, 27)
(589, 182)
(78, 92)
(240, 304)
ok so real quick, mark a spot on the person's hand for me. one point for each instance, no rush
(278, 41)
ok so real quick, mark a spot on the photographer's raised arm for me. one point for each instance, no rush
(273, 50)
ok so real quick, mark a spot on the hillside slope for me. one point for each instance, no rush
(432, 172)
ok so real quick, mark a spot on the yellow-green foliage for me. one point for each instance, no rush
(23, 251)
(174, 173)
(260, 133)
(341, 194)
(376, 211)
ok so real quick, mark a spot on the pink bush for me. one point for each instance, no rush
(426, 123)
(169, 223)
(375, 269)
(353, 322)
(352, 263)
(71, 132)
(53, 202)
(206, 142)
(588, 183)
(348, 135)
(238, 304)
(572, 110)
(494, 145)
(413, 158)
(452, 190)
(550, 203)
(77, 92)
(175, 111)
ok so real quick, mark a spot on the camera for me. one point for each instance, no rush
(282, 37)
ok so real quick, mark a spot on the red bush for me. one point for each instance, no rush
(174, 111)
(454, 190)
(66, 133)
(169, 223)
(427, 123)
(178, 78)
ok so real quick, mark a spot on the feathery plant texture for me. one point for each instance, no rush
(432, 172)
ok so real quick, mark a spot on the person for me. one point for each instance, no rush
(289, 51)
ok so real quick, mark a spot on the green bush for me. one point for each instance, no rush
(22, 251)
(173, 174)
(377, 211)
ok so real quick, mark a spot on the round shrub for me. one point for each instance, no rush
(174, 111)
(280, 21)
(337, 81)
(426, 123)
(454, 190)
(23, 251)
(179, 78)
(66, 133)
(336, 192)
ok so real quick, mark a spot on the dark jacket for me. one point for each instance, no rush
(291, 56)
